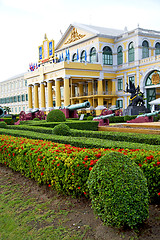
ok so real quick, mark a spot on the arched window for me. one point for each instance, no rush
(107, 56)
(83, 56)
(145, 49)
(131, 52)
(119, 55)
(93, 55)
(74, 58)
(157, 48)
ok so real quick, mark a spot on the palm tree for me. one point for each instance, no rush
(7, 109)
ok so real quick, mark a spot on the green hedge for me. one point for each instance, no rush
(116, 119)
(79, 142)
(118, 190)
(66, 168)
(9, 121)
(114, 136)
(80, 125)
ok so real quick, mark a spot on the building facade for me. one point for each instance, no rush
(94, 64)
(14, 94)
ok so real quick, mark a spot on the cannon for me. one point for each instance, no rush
(103, 120)
(78, 106)
(2, 112)
(30, 116)
(71, 110)
(147, 117)
(149, 114)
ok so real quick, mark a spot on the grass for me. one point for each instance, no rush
(27, 218)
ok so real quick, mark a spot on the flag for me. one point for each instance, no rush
(85, 56)
(68, 54)
(77, 55)
(59, 58)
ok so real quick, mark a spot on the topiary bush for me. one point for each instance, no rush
(36, 119)
(56, 116)
(62, 129)
(3, 124)
(118, 190)
(90, 118)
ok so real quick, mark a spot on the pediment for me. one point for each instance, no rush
(74, 35)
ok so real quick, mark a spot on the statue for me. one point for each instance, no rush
(136, 96)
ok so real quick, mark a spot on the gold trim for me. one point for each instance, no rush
(155, 78)
(74, 36)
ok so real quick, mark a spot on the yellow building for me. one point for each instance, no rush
(94, 64)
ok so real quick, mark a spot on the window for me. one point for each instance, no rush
(83, 57)
(25, 83)
(23, 97)
(107, 56)
(119, 55)
(15, 98)
(15, 109)
(106, 86)
(93, 55)
(19, 98)
(62, 92)
(131, 52)
(150, 78)
(74, 58)
(119, 103)
(120, 84)
(19, 109)
(24, 109)
(26, 97)
(157, 48)
(132, 79)
(145, 49)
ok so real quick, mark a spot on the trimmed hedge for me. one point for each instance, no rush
(115, 136)
(56, 116)
(80, 125)
(79, 142)
(118, 190)
(62, 130)
(67, 168)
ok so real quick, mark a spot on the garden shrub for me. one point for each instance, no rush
(118, 190)
(128, 118)
(90, 118)
(3, 124)
(62, 129)
(56, 116)
(36, 119)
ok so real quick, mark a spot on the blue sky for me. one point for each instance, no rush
(24, 23)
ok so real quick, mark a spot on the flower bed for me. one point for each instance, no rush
(66, 168)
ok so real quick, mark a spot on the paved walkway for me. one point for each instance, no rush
(146, 128)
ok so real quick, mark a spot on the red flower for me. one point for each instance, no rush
(77, 165)
(72, 173)
(78, 187)
(42, 173)
(58, 164)
(158, 163)
(85, 193)
(159, 194)
(13, 154)
(90, 168)
(140, 164)
(49, 185)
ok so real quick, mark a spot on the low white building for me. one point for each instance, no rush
(14, 94)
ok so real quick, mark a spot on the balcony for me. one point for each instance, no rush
(94, 94)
